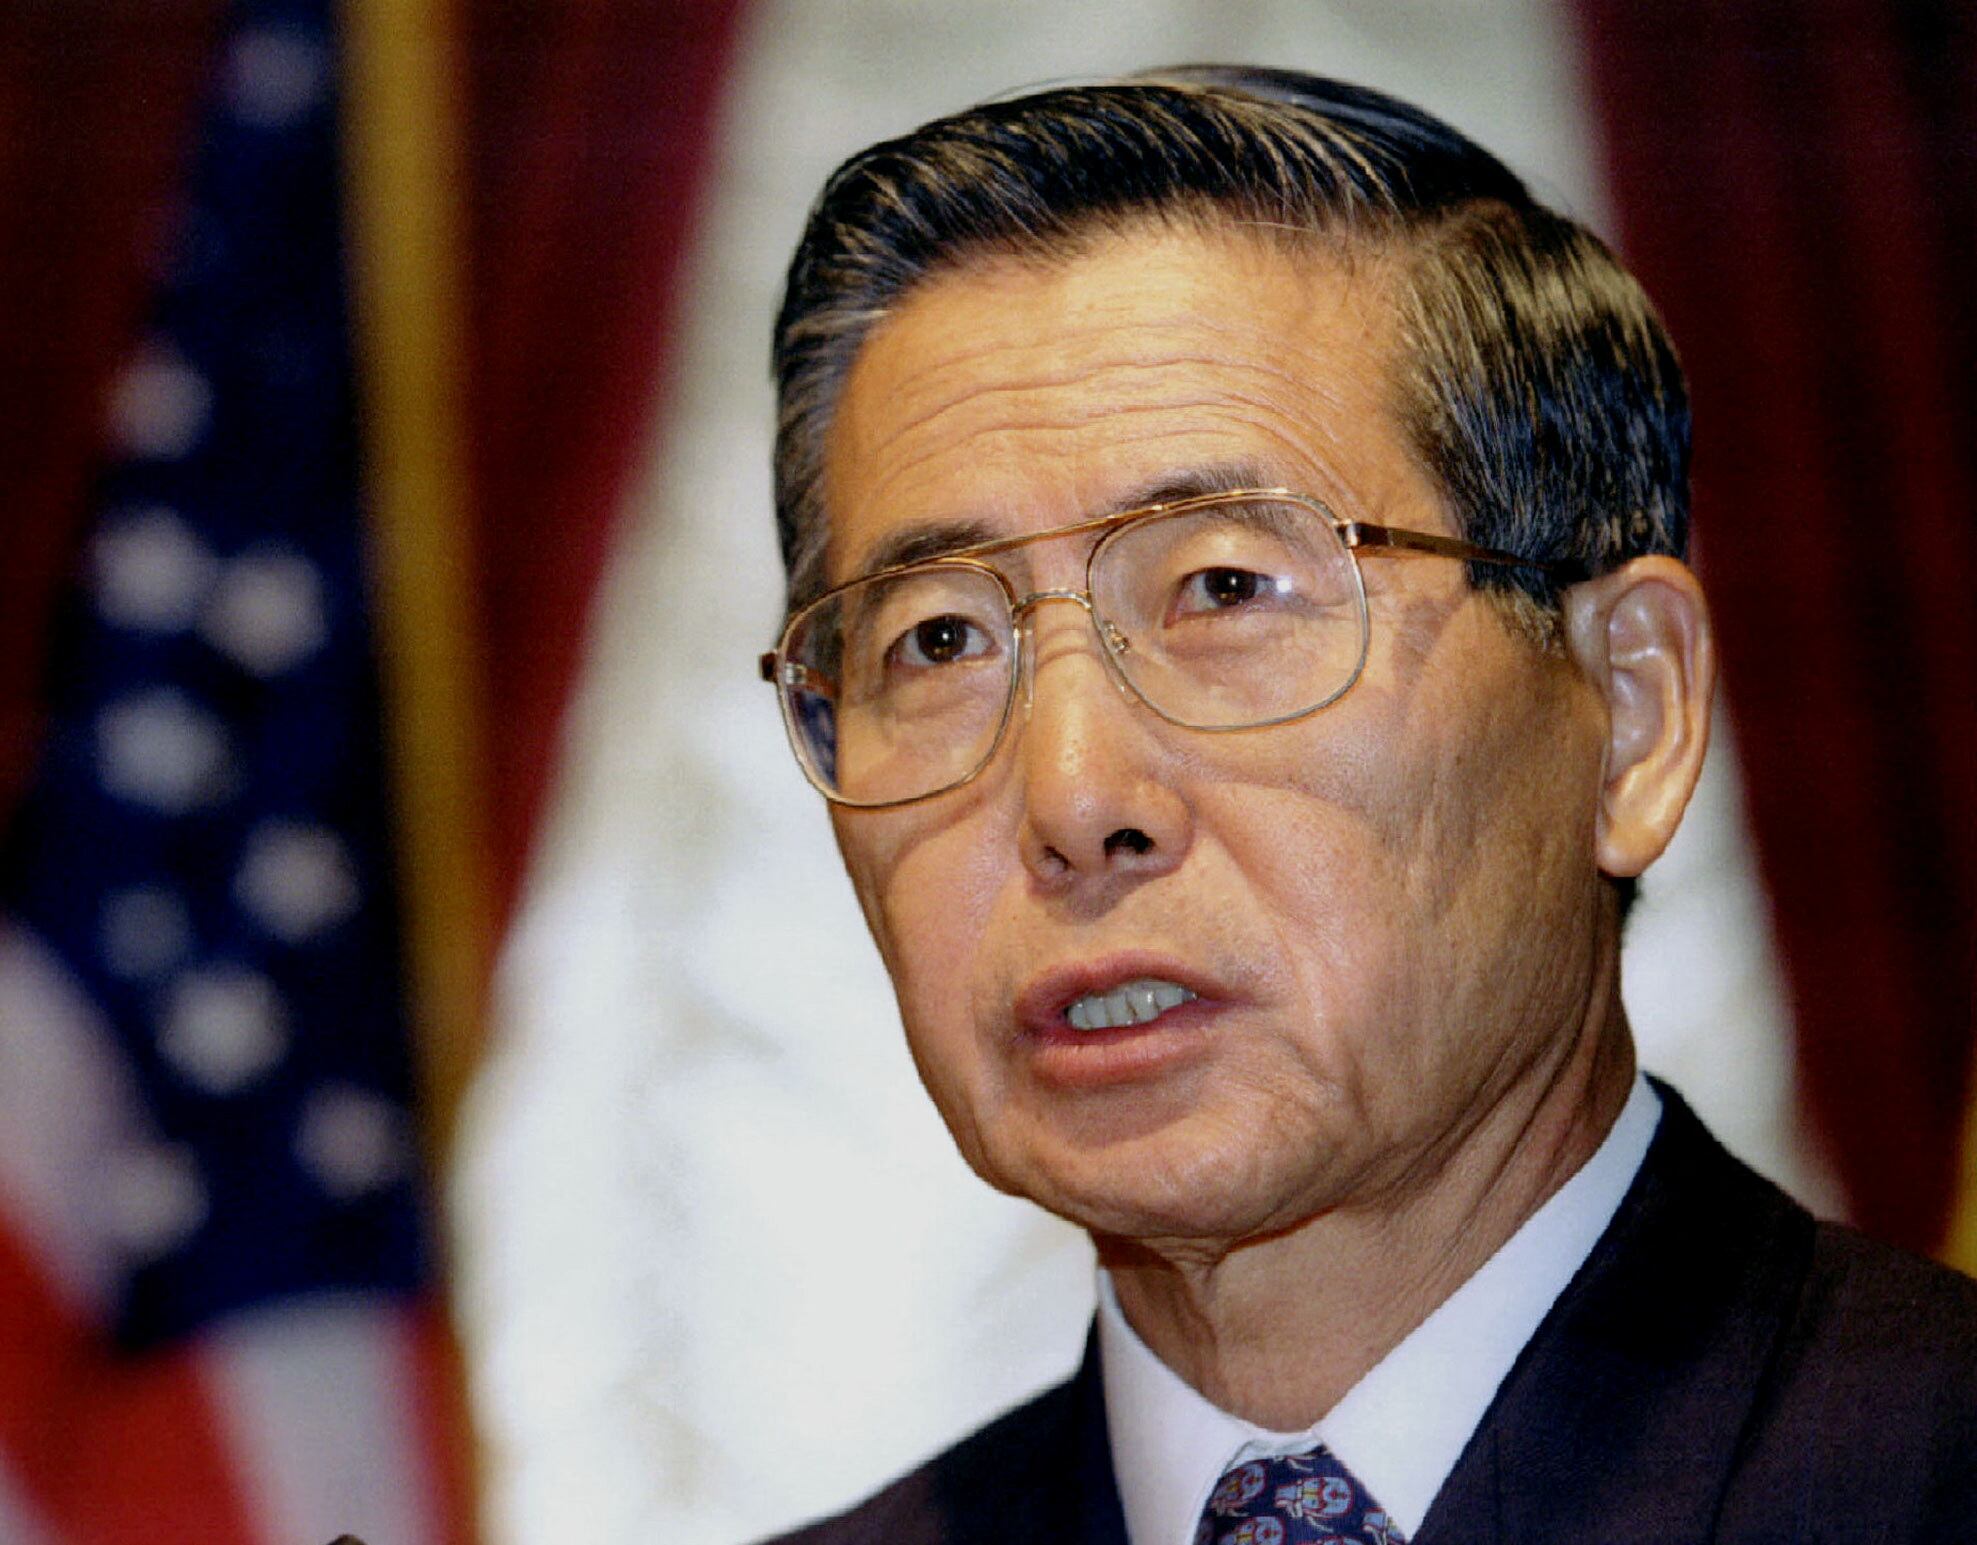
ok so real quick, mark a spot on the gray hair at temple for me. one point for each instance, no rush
(1535, 381)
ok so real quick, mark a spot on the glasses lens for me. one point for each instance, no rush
(897, 687)
(1236, 615)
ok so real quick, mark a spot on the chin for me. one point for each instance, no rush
(1193, 1179)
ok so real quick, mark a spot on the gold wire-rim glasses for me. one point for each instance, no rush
(1357, 536)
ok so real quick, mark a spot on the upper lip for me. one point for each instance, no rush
(1041, 1004)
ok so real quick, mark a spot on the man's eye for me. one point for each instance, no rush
(940, 641)
(1221, 589)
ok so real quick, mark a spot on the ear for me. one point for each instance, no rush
(1642, 637)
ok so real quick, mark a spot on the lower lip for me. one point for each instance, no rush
(1123, 1054)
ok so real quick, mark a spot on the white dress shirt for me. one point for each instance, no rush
(1402, 1427)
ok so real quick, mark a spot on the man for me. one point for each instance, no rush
(1238, 617)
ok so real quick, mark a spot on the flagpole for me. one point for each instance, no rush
(402, 128)
(1960, 1243)
(403, 131)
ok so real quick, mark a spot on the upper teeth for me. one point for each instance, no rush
(1130, 1003)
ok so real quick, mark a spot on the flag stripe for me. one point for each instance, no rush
(20, 1523)
(315, 1404)
(105, 1460)
(66, 1114)
(67, 1109)
(435, 1384)
(41, 1344)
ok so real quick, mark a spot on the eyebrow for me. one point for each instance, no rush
(925, 541)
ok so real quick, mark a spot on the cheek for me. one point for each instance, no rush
(1477, 777)
(926, 889)
(1404, 848)
(1514, 806)
(927, 882)
(1332, 894)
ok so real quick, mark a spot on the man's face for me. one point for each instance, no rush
(1385, 912)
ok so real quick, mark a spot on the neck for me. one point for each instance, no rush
(1277, 1330)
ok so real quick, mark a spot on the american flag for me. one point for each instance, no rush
(216, 1288)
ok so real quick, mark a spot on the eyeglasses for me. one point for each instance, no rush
(1224, 612)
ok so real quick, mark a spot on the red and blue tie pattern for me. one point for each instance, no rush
(1294, 1499)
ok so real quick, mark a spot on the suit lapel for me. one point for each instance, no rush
(1044, 1474)
(1620, 1421)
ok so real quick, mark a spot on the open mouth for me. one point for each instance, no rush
(1137, 1002)
(1117, 1019)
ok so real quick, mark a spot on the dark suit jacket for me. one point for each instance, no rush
(1722, 1368)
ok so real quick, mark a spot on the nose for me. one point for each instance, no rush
(1097, 808)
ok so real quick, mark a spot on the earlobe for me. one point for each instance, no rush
(1642, 637)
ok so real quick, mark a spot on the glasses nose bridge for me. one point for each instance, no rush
(1110, 642)
(1109, 638)
(1021, 608)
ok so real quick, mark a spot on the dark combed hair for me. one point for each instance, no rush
(1533, 379)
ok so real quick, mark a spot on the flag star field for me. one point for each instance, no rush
(205, 847)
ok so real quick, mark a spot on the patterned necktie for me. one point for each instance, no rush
(1294, 1499)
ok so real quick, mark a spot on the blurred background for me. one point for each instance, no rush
(445, 1090)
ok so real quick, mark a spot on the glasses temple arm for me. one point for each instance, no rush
(1364, 536)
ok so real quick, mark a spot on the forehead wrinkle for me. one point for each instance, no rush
(1295, 434)
(1097, 405)
(1093, 405)
(1262, 361)
(1104, 413)
(1093, 323)
(1051, 323)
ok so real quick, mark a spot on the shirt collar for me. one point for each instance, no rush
(1401, 1428)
